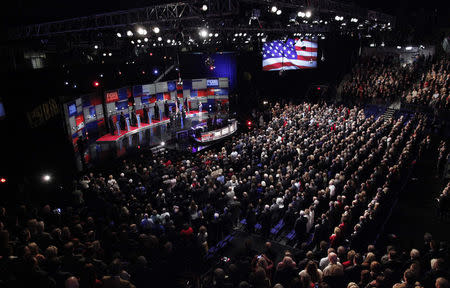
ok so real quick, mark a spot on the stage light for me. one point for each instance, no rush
(399, 47)
(318, 88)
(372, 44)
(163, 143)
(101, 75)
(139, 41)
(95, 83)
(156, 29)
(95, 46)
(46, 178)
(104, 54)
(155, 71)
(422, 47)
(203, 33)
(408, 48)
(265, 102)
(132, 42)
(119, 35)
(211, 68)
(143, 72)
(159, 39)
(3, 180)
(151, 54)
(66, 83)
(279, 12)
(354, 20)
(382, 44)
(141, 31)
(308, 14)
(249, 123)
(145, 39)
(204, 7)
(274, 9)
(109, 54)
(168, 41)
(210, 35)
(129, 33)
(301, 14)
(216, 35)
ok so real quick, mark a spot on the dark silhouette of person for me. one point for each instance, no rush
(133, 118)
(122, 121)
(111, 124)
(209, 122)
(166, 109)
(145, 115)
(156, 111)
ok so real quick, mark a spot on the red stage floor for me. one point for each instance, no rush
(133, 129)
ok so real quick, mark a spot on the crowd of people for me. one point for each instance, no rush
(381, 78)
(329, 172)
(432, 88)
(425, 82)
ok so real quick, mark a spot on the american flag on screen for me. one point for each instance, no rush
(294, 54)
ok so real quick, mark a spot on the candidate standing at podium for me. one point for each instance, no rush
(145, 115)
(157, 111)
(122, 121)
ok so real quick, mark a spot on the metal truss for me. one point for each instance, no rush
(188, 12)
(174, 12)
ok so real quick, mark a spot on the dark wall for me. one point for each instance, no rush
(35, 141)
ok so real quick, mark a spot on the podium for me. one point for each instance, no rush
(118, 128)
(128, 124)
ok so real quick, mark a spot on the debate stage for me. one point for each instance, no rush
(134, 129)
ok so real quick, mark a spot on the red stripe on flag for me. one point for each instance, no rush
(280, 65)
(306, 58)
(307, 49)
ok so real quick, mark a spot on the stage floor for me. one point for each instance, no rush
(134, 129)
(110, 147)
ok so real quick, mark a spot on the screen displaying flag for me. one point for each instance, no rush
(290, 55)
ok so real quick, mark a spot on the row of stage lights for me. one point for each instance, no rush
(302, 14)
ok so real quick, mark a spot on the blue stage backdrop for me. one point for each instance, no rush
(193, 66)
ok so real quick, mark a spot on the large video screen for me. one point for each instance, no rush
(292, 54)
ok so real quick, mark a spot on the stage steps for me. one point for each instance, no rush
(389, 114)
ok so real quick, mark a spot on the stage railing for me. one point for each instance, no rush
(218, 133)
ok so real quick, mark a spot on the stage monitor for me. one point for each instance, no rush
(293, 54)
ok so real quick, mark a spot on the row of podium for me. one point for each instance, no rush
(150, 120)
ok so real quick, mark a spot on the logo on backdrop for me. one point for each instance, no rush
(42, 113)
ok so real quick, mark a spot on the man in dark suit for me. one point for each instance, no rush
(122, 121)
(145, 115)
(300, 227)
(166, 109)
(112, 127)
(156, 111)
(353, 273)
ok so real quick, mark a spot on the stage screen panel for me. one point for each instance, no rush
(72, 109)
(2, 111)
(292, 54)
